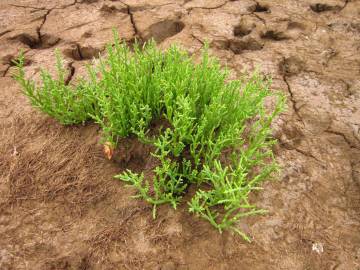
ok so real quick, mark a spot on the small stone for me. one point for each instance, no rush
(318, 248)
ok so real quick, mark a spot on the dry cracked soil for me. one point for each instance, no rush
(60, 207)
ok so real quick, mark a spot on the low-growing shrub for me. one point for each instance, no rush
(217, 134)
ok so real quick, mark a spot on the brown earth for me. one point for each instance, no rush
(60, 207)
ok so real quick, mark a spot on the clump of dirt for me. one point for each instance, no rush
(60, 207)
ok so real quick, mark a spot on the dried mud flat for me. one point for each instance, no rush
(60, 208)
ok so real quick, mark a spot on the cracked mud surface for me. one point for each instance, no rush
(59, 205)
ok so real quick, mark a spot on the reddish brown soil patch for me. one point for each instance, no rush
(60, 207)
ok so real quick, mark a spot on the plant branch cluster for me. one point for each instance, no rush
(217, 135)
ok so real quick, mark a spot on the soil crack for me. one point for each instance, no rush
(71, 73)
(346, 139)
(258, 17)
(38, 30)
(23, 6)
(6, 70)
(131, 14)
(43, 8)
(310, 156)
(345, 4)
(4, 32)
(79, 52)
(210, 8)
(72, 4)
(198, 39)
(292, 99)
(257, 8)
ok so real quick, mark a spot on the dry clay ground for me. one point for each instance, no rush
(60, 208)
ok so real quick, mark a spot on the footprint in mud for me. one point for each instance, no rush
(290, 136)
(237, 46)
(295, 25)
(114, 7)
(291, 66)
(284, 31)
(37, 42)
(322, 7)
(244, 28)
(241, 31)
(244, 37)
(78, 52)
(27, 39)
(163, 30)
(274, 35)
(257, 7)
(9, 60)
